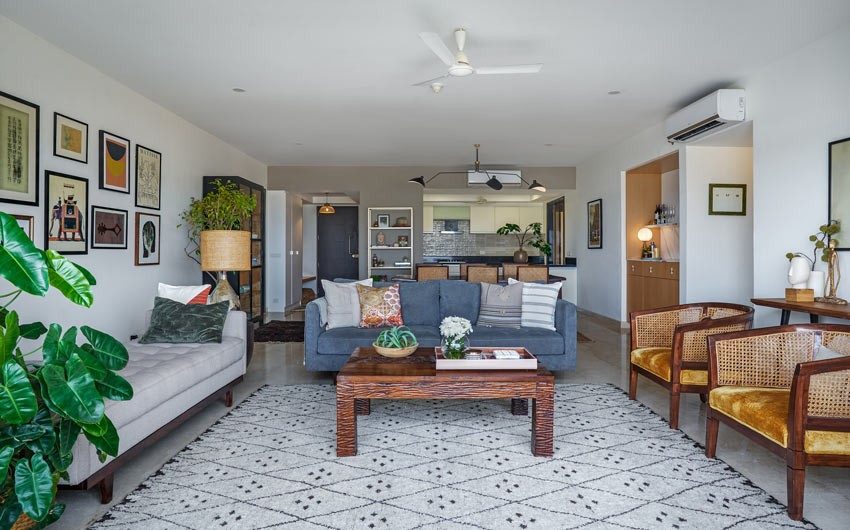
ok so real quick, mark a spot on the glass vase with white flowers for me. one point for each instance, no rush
(455, 332)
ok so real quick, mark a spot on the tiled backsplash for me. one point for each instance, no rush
(466, 244)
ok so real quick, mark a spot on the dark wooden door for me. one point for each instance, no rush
(336, 249)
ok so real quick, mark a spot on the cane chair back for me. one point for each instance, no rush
(425, 272)
(482, 274)
(533, 273)
(509, 270)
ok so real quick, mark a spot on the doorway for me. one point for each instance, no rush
(555, 220)
(337, 245)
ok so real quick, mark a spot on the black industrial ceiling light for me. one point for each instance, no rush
(492, 181)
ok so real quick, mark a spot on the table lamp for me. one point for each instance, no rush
(645, 235)
(223, 251)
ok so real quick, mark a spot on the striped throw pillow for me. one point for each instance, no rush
(538, 304)
(501, 306)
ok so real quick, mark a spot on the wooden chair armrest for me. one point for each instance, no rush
(820, 399)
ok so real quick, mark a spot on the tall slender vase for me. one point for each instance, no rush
(817, 282)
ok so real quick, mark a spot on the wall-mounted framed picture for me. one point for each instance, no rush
(66, 200)
(148, 238)
(19, 130)
(114, 162)
(108, 227)
(70, 138)
(148, 177)
(727, 199)
(27, 224)
(839, 184)
(383, 221)
(594, 224)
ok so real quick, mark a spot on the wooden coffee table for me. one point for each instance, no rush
(368, 375)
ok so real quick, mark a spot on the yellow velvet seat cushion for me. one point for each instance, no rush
(657, 361)
(765, 410)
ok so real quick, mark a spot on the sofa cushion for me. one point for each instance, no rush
(343, 341)
(459, 298)
(538, 341)
(501, 305)
(420, 303)
(343, 303)
(379, 306)
(158, 372)
(173, 322)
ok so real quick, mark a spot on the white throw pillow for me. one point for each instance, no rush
(180, 293)
(343, 303)
(538, 304)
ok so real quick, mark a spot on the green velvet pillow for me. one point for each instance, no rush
(174, 323)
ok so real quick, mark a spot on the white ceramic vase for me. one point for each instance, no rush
(799, 272)
(817, 282)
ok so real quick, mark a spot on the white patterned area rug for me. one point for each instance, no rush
(271, 463)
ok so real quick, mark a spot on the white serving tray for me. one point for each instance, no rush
(526, 362)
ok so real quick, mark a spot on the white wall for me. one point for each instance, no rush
(717, 249)
(41, 73)
(571, 213)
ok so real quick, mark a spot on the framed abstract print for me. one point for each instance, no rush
(70, 138)
(66, 199)
(148, 177)
(114, 162)
(594, 224)
(19, 129)
(147, 239)
(108, 227)
(27, 224)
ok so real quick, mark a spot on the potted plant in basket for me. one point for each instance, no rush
(46, 404)
(535, 238)
(397, 341)
(216, 238)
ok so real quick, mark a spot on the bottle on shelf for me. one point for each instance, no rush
(657, 216)
(374, 260)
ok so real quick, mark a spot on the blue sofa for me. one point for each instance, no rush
(423, 307)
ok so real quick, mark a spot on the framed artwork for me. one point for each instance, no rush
(66, 200)
(108, 227)
(70, 138)
(594, 224)
(727, 199)
(19, 130)
(147, 239)
(114, 162)
(839, 184)
(383, 220)
(148, 177)
(27, 224)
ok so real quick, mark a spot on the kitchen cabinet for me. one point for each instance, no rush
(427, 219)
(651, 284)
(451, 212)
(532, 214)
(503, 215)
(481, 220)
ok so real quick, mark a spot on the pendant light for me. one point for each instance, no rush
(492, 181)
(327, 208)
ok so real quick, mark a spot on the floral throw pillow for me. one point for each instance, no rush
(379, 306)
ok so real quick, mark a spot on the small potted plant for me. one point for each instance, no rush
(455, 332)
(804, 273)
(397, 341)
(535, 238)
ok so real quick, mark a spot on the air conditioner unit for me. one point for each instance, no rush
(510, 178)
(713, 113)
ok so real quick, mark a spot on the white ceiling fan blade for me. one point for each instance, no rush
(515, 69)
(428, 82)
(433, 41)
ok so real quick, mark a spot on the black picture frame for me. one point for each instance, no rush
(594, 224)
(139, 149)
(831, 213)
(101, 141)
(712, 208)
(49, 214)
(84, 128)
(34, 175)
(140, 259)
(94, 228)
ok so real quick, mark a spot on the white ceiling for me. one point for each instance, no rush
(328, 83)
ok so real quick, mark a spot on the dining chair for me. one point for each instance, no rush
(465, 266)
(482, 274)
(430, 271)
(509, 270)
(533, 273)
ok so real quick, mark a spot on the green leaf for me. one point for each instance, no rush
(76, 395)
(18, 435)
(95, 367)
(68, 279)
(17, 399)
(53, 515)
(108, 441)
(21, 262)
(46, 442)
(10, 510)
(95, 429)
(108, 350)
(34, 487)
(50, 348)
(89, 276)
(5, 458)
(114, 387)
(32, 331)
(9, 336)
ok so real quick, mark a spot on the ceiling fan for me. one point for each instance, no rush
(459, 64)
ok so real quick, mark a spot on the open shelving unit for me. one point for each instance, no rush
(396, 261)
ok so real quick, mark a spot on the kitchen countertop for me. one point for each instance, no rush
(491, 260)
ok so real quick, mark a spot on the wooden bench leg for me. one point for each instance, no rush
(633, 373)
(346, 425)
(542, 420)
(228, 398)
(105, 488)
(712, 426)
(674, 408)
(796, 485)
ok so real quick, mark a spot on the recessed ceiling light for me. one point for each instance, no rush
(238, 90)
(614, 92)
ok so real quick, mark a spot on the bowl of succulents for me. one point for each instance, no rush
(396, 342)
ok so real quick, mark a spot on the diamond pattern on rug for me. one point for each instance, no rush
(444, 465)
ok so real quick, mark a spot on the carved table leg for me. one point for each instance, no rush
(346, 425)
(362, 407)
(542, 420)
(519, 407)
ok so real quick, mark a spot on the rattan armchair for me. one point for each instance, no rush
(668, 346)
(482, 273)
(765, 384)
(426, 271)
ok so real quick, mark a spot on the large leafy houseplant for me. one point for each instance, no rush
(46, 404)
(533, 235)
